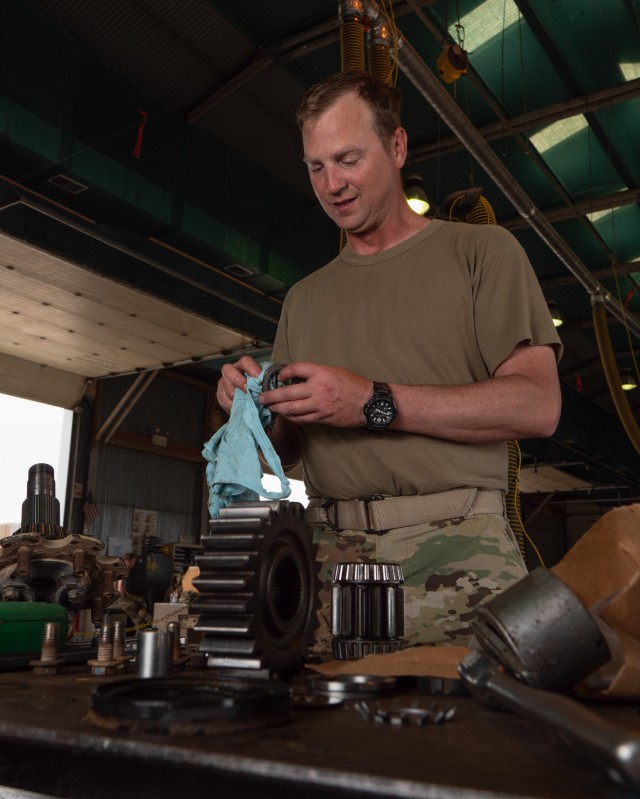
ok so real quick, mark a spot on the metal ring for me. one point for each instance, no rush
(270, 378)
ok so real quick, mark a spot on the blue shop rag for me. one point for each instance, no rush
(234, 471)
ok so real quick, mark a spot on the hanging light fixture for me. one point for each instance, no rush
(556, 316)
(627, 380)
(415, 194)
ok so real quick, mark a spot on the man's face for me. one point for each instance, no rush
(355, 177)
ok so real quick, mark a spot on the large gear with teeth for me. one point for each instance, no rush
(258, 588)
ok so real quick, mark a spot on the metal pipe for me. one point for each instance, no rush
(153, 654)
(424, 80)
(124, 406)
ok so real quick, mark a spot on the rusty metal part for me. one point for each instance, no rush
(541, 632)
(119, 652)
(367, 609)
(104, 663)
(604, 747)
(49, 662)
(183, 705)
(41, 509)
(41, 562)
(258, 588)
(178, 659)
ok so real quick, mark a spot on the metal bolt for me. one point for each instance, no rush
(78, 558)
(107, 583)
(178, 660)
(104, 664)
(49, 663)
(105, 643)
(75, 596)
(118, 640)
(119, 653)
(49, 642)
(23, 555)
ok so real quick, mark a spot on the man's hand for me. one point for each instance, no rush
(329, 395)
(234, 375)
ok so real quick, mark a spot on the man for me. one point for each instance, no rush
(414, 356)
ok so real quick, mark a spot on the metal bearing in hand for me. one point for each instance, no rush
(258, 588)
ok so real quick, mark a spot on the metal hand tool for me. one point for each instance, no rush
(537, 635)
(600, 744)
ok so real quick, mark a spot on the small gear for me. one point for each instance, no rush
(258, 588)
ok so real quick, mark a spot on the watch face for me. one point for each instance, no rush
(381, 412)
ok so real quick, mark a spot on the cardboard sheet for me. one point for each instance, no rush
(416, 661)
(603, 570)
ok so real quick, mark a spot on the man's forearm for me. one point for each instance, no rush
(522, 400)
(494, 410)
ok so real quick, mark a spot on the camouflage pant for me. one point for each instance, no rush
(450, 567)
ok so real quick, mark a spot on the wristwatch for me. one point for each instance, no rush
(380, 410)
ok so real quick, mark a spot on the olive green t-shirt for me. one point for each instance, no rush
(445, 307)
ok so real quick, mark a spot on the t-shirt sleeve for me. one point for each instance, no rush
(281, 350)
(510, 307)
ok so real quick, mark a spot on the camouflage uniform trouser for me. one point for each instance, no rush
(450, 568)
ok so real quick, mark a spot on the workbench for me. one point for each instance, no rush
(48, 745)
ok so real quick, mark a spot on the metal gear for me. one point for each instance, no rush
(258, 588)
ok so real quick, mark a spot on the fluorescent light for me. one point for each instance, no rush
(558, 132)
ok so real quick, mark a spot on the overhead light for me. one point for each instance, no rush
(415, 194)
(627, 380)
(556, 316)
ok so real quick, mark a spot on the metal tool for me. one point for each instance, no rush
(536, 635)
(601, 745)
(541, 632)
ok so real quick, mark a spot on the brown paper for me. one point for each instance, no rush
(603, 568)
(416, 661)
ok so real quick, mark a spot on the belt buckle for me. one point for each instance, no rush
(326, 507)
(366, 500)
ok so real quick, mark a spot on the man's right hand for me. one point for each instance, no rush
(234, 375)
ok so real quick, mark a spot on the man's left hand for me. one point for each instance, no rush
(328, 395)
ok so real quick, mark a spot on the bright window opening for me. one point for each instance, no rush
(30, 432)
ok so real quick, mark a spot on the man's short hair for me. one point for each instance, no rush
(384, 100)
